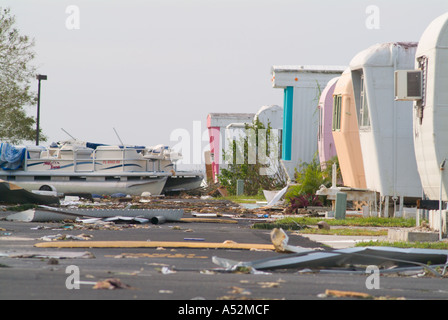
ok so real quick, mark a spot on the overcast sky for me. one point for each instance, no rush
(147, 68)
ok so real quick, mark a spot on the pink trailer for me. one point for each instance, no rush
(325, 141)
(216, 124)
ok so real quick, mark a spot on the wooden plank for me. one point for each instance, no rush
(154, 244)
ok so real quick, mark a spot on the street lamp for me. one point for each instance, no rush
(39, 77)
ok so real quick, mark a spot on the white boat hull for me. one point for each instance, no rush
(183, 182)
(103, 170)
(136, 188)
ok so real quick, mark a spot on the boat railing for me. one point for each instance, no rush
(120, 156)
(117, 159)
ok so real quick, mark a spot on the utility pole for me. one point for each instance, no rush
(39, 77)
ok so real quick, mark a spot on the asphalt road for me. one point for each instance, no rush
(177, 274)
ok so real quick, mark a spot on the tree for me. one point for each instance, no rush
(253, 159)
(16, 74)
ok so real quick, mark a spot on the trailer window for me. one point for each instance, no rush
(364, 112)
(337, 104)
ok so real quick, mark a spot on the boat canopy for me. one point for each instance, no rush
(11, 157)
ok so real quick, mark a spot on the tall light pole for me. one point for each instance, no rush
(39, 77)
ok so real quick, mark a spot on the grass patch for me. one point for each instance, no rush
(302, 225)
(272, 225)
(403, 244)
(305, 230)
(345, 232)
(353, 221)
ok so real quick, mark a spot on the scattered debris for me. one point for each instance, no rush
(166, 270)
(126, 220)
(302, 258)
(323, 225)
(50, 214)
(354, 294)
(64, 237)
(196, 214)
(165, 291)
(158, 220)
(280, 241)
(347, 294)
(265, 285)
(111, 284)
(208, 220)
(349, 257)
(238, 290)
(49, 255)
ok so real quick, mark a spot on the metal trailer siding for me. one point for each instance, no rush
(431, 131)
(305, 82)
(387, 143)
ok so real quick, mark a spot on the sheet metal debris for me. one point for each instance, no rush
(379, 256)
(51, 214)
(383, 257)
(11, 193)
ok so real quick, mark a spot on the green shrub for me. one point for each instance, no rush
(309, 178)
(250, 173)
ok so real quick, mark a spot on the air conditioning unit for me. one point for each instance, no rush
(408, 85)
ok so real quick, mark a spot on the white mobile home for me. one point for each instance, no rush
(302, 86)
(431, 109)
(385, 125)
